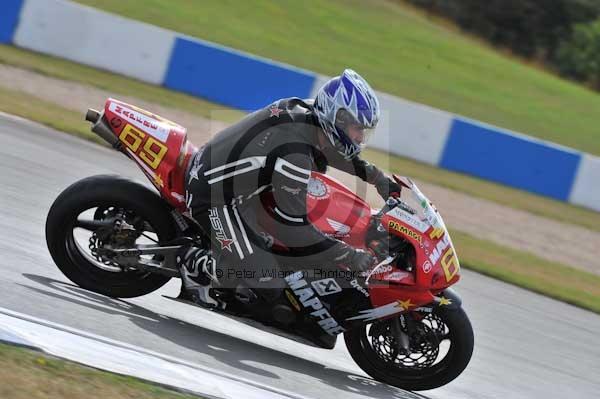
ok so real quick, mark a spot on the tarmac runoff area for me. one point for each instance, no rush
(526, 345)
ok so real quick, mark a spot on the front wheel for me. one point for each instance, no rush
(107, 212)
(441, 345)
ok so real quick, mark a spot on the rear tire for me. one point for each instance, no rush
(97, 192)
(447, 369)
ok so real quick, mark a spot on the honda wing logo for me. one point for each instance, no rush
(340, 228)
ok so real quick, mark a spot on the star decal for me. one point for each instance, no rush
(226, 243)
(275, 111)
(445, 301)
(405, 304)
(158, 181)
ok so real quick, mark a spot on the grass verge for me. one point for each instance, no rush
(399, 49)
(27, 374)
(512, 197)
(49, 114)
(555, 280)
(552, 279)
(67, 70)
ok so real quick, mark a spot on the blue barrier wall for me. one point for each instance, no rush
(512, 160)
(230, 78)
(9, 18)
(240, 80)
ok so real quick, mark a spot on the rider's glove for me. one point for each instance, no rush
(386, 187)
(361, 260)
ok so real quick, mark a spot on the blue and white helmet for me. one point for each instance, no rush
(348, 111)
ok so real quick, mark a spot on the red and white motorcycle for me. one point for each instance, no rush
(402, 323)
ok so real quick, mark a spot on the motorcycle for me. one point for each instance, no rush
(402, 322)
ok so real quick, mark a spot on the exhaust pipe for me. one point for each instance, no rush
(100, 127)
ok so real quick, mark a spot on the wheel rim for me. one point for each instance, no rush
(84, 237)
(431, 347)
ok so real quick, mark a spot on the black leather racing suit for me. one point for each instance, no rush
(272, 150)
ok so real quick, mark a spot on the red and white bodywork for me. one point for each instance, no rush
(159, 147)
(338, 212)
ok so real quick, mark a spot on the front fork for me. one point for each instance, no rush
(403, 326)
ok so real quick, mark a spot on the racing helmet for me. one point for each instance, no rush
(348, 111)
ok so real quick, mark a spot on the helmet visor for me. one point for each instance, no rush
(355, 131)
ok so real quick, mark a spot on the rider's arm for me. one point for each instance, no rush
(290, 179)
(366, 171)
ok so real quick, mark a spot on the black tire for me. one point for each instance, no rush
(99, 191)
(451, 366)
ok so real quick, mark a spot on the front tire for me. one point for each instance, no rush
(384, 366)
(105, 194)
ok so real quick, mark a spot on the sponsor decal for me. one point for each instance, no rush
(310, 301)
(377, 272)
(439, 249)
(450, 264)
(427, 266)
(275, 111)
(423, 309)
(405, 230)
(294, 191)
(436, 233)
(356, 285)
(397, 276)
(317, 189)
(383, 311)
(146, 147)
(409, 219)
(217, 226)
(326, 286)
(341, 230)
(292, 300)
(141, 121)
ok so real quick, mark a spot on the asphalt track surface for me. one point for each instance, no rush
(526, 345)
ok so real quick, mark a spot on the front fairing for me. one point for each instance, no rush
(414, 218)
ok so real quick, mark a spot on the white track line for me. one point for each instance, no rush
(123, 358)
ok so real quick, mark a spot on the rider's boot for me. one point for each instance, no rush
(198, 275)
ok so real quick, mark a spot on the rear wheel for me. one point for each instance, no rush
(441, 346)
(102, 212)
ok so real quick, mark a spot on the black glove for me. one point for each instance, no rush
(386, 187)
(361, 260)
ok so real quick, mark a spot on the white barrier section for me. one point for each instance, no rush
(586, 189)
(411, 130)
(408, 129)
(319, 81)
(95, 38)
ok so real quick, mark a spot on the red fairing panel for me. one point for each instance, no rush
(159, 147)
(337, 211)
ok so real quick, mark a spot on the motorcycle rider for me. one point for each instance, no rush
(274, 150)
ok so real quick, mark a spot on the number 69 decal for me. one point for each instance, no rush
(152, 152)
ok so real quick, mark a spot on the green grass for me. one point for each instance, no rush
(27, 374)
(49, 114)
(552, 279)
(67, 70)
(398, 49)
(35, 109)
(555, 280)
(476, 187)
